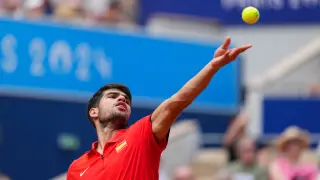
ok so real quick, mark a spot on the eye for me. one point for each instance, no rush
(112, 95)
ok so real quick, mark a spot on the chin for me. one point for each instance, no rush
(121, 115)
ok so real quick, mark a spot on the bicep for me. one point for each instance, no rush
(165, 115)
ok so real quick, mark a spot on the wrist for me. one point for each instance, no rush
(215, 65)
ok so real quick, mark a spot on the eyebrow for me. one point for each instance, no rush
(123, 94)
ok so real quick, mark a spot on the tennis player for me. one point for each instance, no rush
(133, 153)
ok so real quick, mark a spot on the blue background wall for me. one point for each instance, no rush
(281, 112)
(39, 58)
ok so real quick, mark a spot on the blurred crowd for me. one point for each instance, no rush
(91, 11)
(280, 159)
(286, 157)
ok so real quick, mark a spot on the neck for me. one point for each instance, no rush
(104, 135)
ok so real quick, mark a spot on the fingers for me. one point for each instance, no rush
(236, 51)
(243, 48)
(230, 55)
(226, 43)
(226, 55)
(223, 59)
(246, 47)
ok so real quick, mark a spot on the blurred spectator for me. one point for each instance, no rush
(67, 9)
(103, 10)
(318, 160)
(4, 177)
(247, 167)
(12, 8)
(110, 11)
(183, 173)
(85, 11)
(34, 8)
(291, 143)
(223, 174)
(24, 8)
(95, 11)
(315, 90)
(128, 10)
(235, 131)
(267, 154)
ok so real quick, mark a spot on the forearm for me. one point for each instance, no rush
(196, 85)
(169, 110)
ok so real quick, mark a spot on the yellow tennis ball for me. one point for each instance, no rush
(250, 15)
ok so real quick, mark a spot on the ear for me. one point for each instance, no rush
(94, 112)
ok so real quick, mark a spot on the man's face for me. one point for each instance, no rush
(114, 108)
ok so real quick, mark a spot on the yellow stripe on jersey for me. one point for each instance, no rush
(122, 145)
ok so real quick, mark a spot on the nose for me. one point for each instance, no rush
(122, 98)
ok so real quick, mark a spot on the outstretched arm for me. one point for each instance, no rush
(164, 116)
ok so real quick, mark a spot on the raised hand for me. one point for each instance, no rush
(224, 55)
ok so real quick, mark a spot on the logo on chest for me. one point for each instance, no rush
(123, 144)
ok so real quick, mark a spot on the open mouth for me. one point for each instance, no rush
(122, 106)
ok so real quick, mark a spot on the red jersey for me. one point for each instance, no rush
(130, 154)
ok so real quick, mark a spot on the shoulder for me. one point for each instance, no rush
(80, 162)
(77, 166)
(144, 120)
(142, 131)
(141, 125)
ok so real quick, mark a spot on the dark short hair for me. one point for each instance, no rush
(95, 99)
